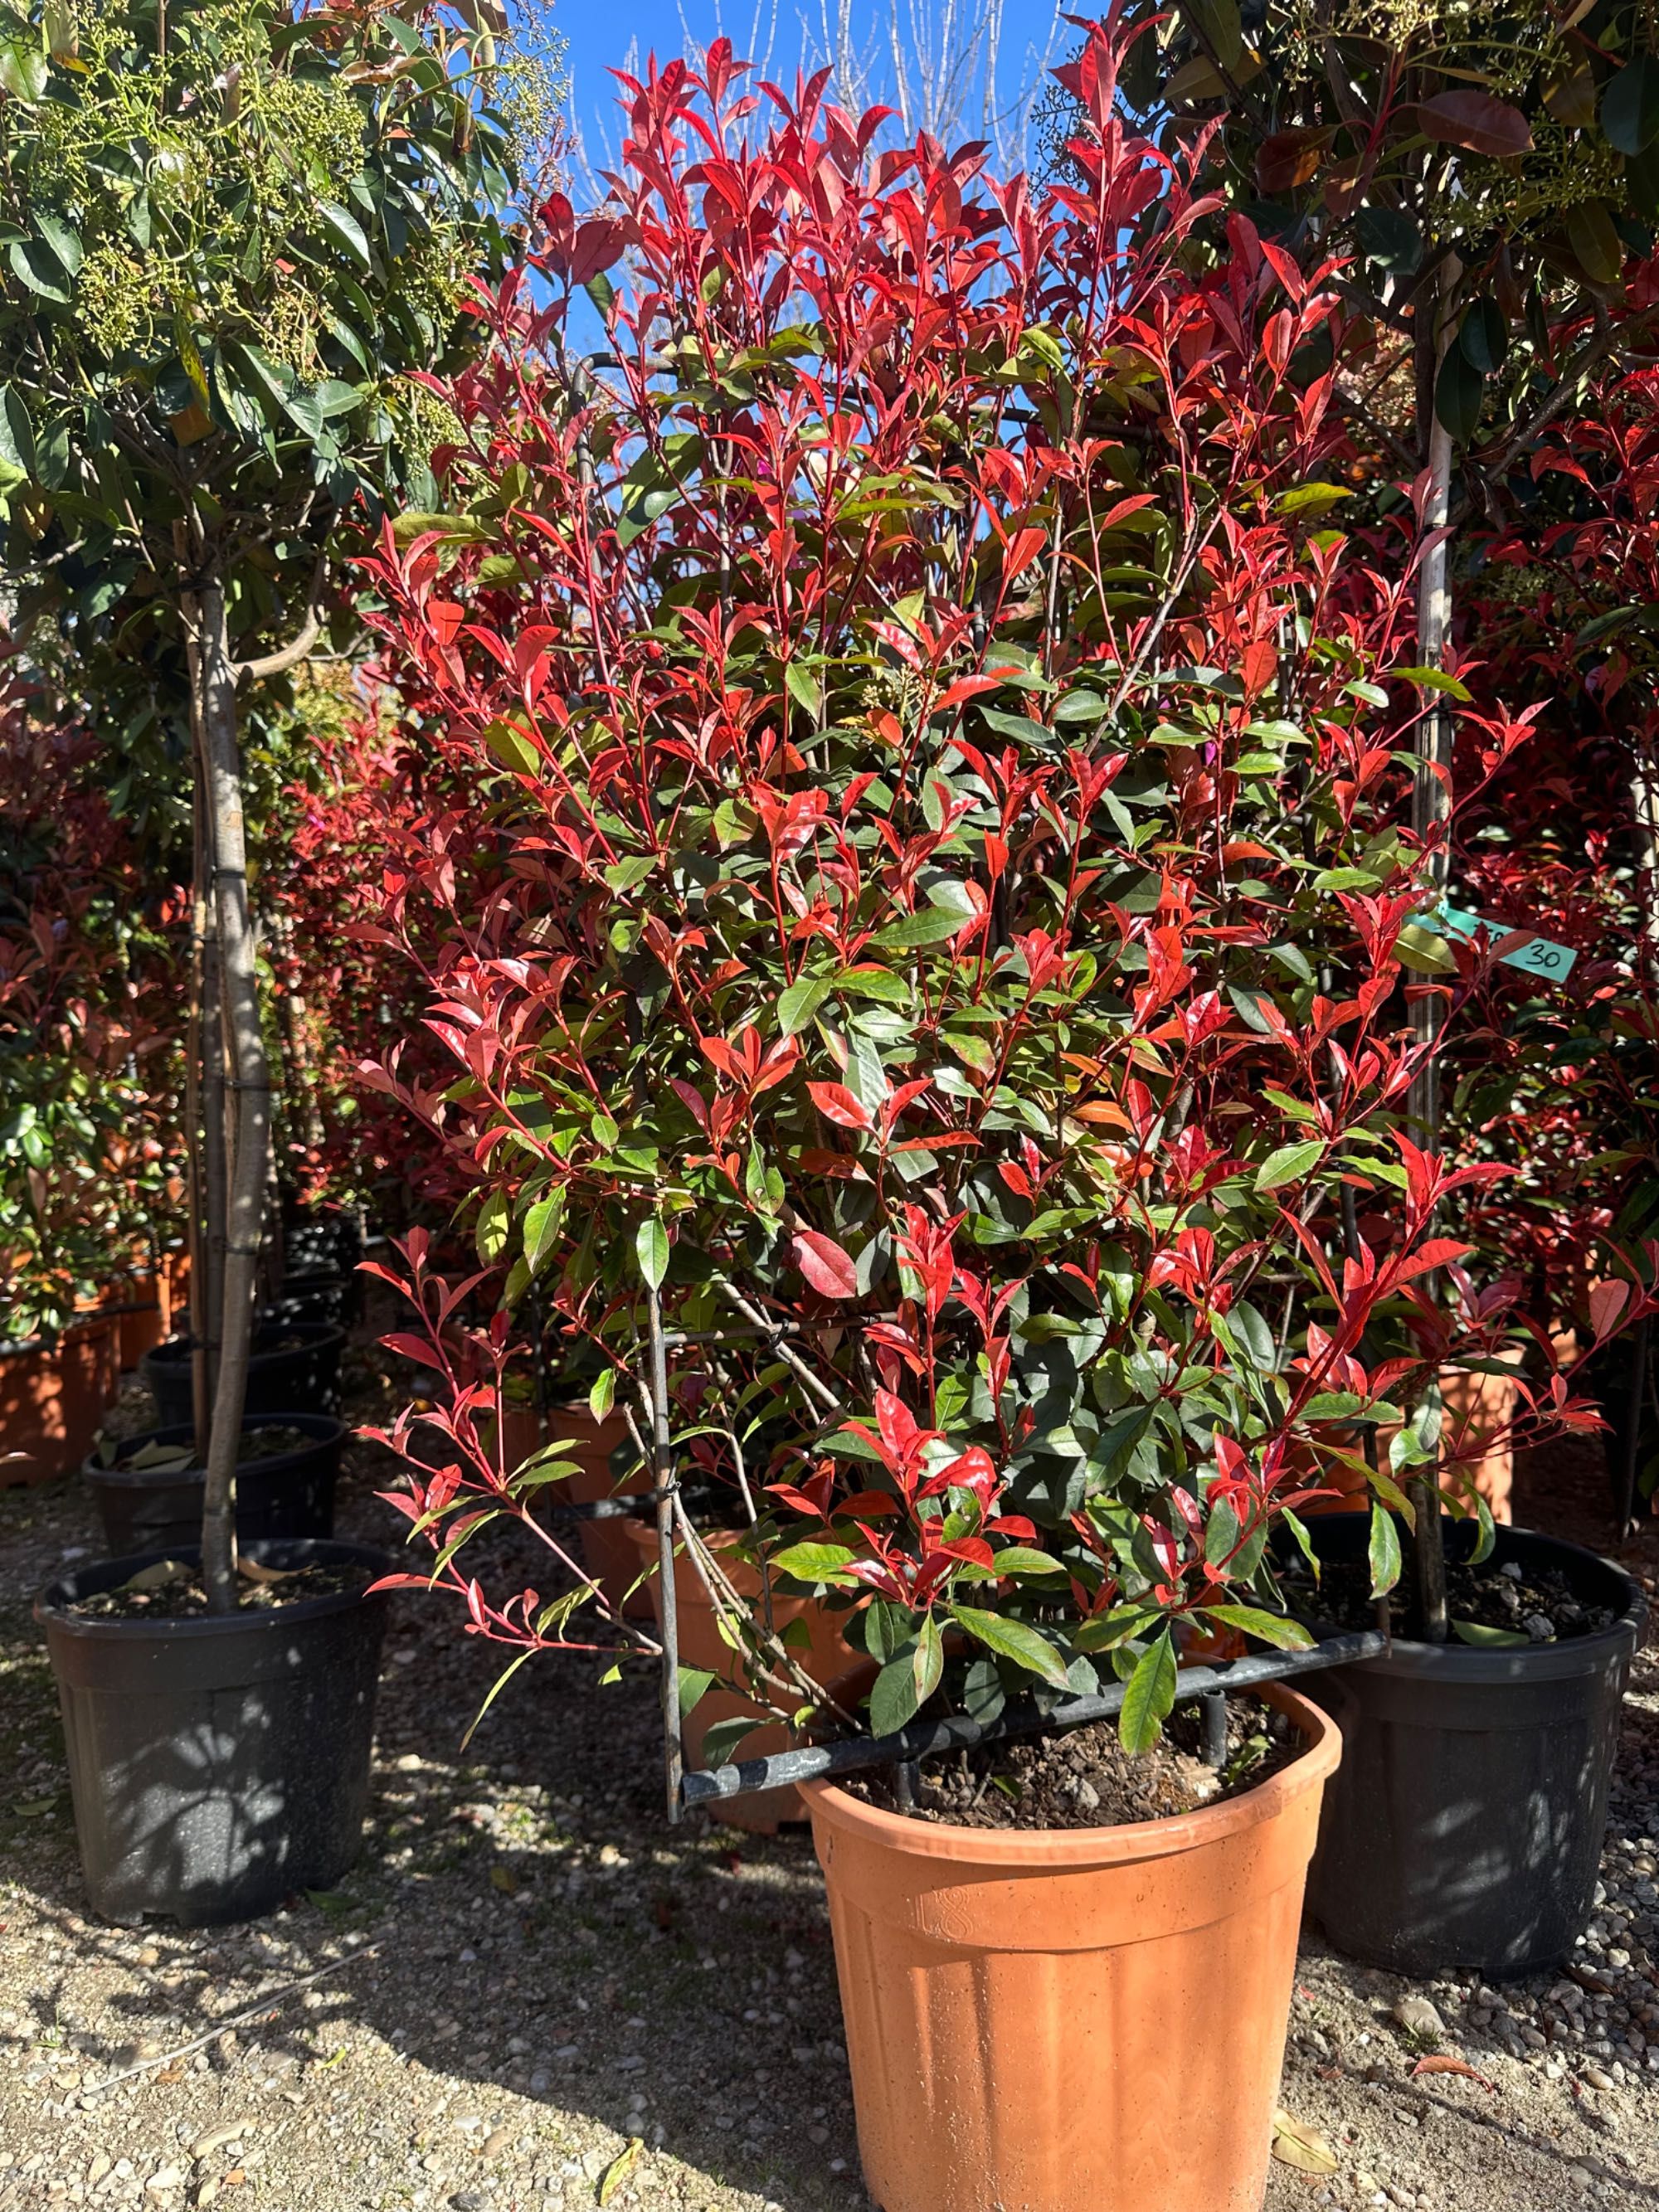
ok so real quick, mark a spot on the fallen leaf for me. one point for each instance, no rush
(619, 2169)
(158, 1575)
(1436, 2065)
(255, 1570)
(504, 1879)
(1298, 2145)
(31, 1806)
(170, 2075)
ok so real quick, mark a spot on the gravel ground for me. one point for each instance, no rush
(529, 1978)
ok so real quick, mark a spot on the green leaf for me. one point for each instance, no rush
(343, 229)
(1459, 390)
(1269, 1627)
(1433, 679)
(930, 925)
(1107, 1630)
(804, 689)
(651, 1247)
(495, 1219)
(33, 264)
(24, 72)
(16, 431)
(1024, 1561)
(541, 1229)
(1484, 1639)
(65, 243)
(721, 1740)
(1422, 952)
(1303, 1541)
(694, 1681)
(801, 1001)
(1150, 1696)
(1313, 499)
(1289, 1164)
(899, 1688)
(511, 749)
(1389, 239)
(816, 1563)
(1629, 106)
(1484, 336)
(603, 1395)
(1384, 1551)
(1013, 1640)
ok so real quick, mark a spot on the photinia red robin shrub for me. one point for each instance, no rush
(949, 953)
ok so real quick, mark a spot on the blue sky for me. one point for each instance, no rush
(950, 44)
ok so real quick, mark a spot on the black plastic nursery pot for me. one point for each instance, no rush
(295, 1369)
(317, 1296)
(218, 1765)
(317, 1240)
(284, 1493)
(1464, 1827)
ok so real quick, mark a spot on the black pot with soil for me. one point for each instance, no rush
(295, 1369)
(150, 1497)
(218, 1762)
(318, 1295)
(1463, 1829)
(316, 1241)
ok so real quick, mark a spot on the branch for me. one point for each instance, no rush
(289, 656)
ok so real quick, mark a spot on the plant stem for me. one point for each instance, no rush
(1430, 812)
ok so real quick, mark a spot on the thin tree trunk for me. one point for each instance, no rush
(1430, 810)
(204, 1111)
(248, 1121)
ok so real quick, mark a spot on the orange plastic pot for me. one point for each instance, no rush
(53, 1401)
(1479, 1411)
(826, 1659)
(1088, 2019)
(607, 1553)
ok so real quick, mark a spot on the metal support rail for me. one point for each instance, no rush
(923, 1739)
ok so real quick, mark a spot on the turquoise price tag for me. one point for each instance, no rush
(1537, 956)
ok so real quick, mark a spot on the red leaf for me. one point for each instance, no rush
(837, 1104)
(599, 245)
(1475, 120)
(1606, 1302)
(829, 1269)
(1436, 2064)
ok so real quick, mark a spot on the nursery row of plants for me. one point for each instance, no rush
(964, 871)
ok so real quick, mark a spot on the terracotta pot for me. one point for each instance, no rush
(53, 1401)
(140, 1321)
(1478, 1406)
(826, 1659)
(1087, 2019)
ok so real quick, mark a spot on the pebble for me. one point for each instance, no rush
(163, 2178)
(1419, 2017)
(1596, 2078)
(496, 2141)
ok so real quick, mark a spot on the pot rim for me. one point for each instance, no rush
(1511, 1662)
(174, 1350)
(51, 1604)
(1038, 1851)
(326, 1431)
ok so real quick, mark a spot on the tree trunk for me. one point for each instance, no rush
(248, 1118)
(204, 1105)
(1431, 809)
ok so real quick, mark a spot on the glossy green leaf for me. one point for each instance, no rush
(1384, 1551)
(1150, 1695)
(1013, 1640)
(1268, 1627)
(1289, 1164)
(651, 1249)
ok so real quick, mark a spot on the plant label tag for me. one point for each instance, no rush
(1538, 956)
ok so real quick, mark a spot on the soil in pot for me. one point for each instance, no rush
(1464, 1833)
(1086, 1779)
(1490, 1606)
(150, 1499)
(218, 1762)
(1074, 2019)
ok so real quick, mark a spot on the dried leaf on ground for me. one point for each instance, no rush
(1436, 2065)
(1296, 2144)
(619, 2169)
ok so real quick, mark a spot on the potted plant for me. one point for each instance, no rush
(218, 1706)
(947, 997)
